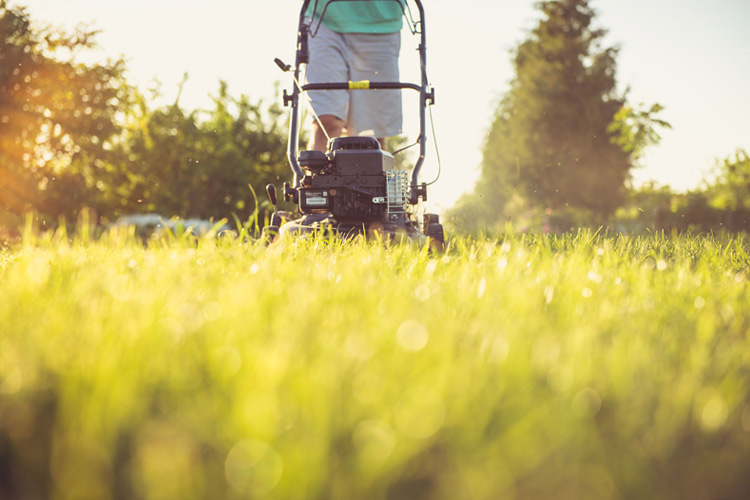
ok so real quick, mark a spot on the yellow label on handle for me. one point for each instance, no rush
(364, 84)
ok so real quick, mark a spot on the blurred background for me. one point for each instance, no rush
(176, 66)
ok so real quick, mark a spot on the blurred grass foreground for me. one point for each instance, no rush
(530, 367)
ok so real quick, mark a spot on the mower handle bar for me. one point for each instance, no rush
(364, 85)
(302, 57)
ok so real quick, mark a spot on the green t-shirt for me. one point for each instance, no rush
(360, 16)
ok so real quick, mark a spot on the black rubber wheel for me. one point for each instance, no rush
(275, 220)
(436, 237)
(429, 219)
(269, 234)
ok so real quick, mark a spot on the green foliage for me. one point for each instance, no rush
(474, 212)
(562, 137)
(579, 365)
(731, 186)
(635, 129)
(55, 116)
(75, 136)
(197, 164)
(645, 208)
(722, 204)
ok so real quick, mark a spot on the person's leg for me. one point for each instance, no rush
(328, 63)
(376, 113)
(333, 126)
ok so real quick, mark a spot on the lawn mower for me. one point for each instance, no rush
(354, 187)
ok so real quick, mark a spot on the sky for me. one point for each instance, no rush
(691, 56)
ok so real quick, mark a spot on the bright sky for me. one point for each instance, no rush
(692, 56)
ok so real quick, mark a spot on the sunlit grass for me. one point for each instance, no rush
(572, 366)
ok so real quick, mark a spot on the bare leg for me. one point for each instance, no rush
(333, 125)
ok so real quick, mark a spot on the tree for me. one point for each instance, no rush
(552, 144)
(55, 116)
(75, 136)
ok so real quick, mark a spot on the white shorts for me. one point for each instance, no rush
(342, 57)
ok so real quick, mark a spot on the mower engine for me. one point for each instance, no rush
(355, 181)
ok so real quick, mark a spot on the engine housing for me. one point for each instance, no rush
(354, 180)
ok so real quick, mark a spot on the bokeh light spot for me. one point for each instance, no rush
(253, 467)
(587, 403)
(412, 335)
(714, 413)
(374, 441)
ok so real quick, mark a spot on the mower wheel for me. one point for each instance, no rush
(436, 237)
(428, 219)
(269, 234)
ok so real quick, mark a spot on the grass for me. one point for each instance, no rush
(571, 366)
